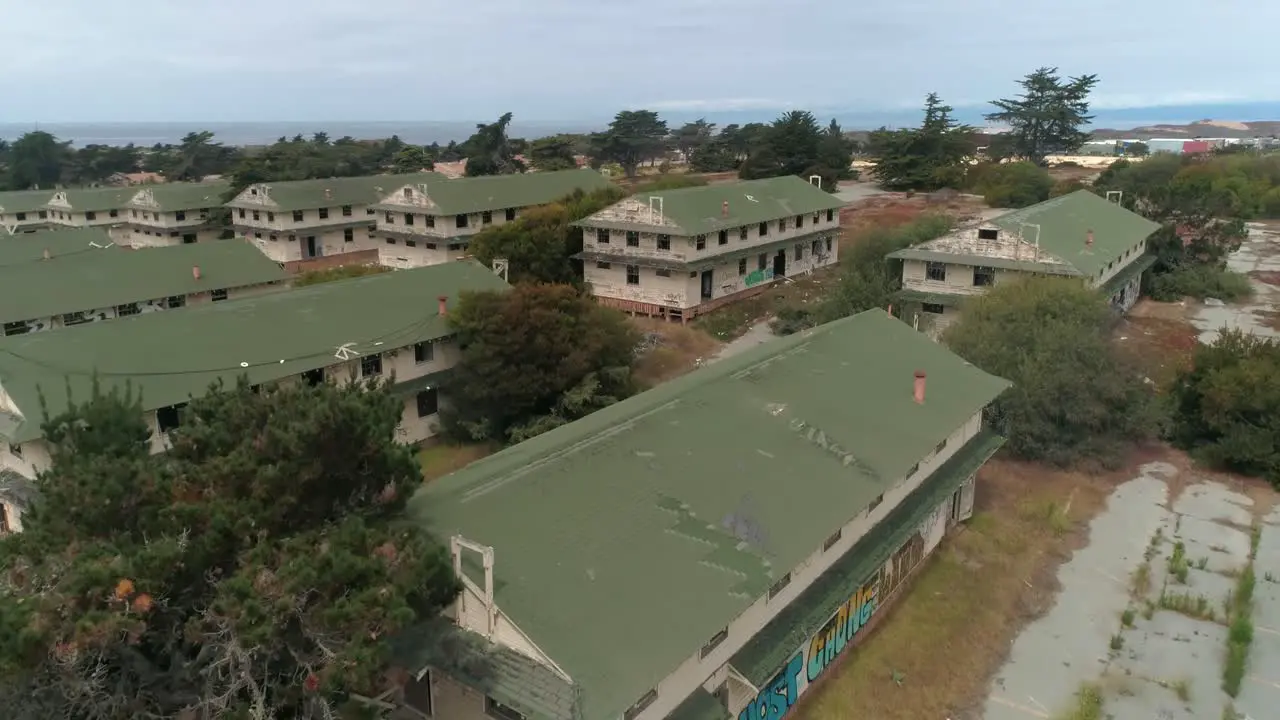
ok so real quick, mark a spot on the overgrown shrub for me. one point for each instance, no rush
(1227, 406)
(1200, 282)
(1010, 185)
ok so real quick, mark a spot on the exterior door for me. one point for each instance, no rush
(780, 264)
(311, 250)
(708, 284)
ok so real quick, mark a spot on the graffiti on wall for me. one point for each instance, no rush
(755, 277)
(807, 665)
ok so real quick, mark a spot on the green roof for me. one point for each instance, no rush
(699, 210)
(74, 283)
(24, 248)
(309, 194)
(464, 196)
(717, 484)
(1065, 222)
(173, 355)
(24, 201)
(170, 197)
(98, 199)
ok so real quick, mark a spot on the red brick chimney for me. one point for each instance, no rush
(444, 305)
(195, 272)
(1088, 238)
(724, 209)
(919, 387)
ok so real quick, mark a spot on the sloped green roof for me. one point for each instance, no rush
(98, 199)
(75, 283)
(23, 201)
(308, 194)
(1066, 220)
(24, 248)
(700, 210)
(170, 356)
(184, 195)
(467, 195)
(625, 540)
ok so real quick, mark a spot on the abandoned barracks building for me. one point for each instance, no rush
(753, 520)
(89, 207)
(90, 279)
(679, 253)
(378, 327)
(430, 222)
(172, 214)
(1077, 235)
(23, 211)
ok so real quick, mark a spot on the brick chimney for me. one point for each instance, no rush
(444, 305)
(1088, 238)
(918, 390)
(195, 272)
(724, 209)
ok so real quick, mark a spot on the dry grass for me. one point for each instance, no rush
(682, 346)
(441, 458)
(1158, 339)
(953, 629)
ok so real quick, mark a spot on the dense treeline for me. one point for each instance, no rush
(795, 143)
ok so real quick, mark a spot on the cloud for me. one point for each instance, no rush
(721, 104)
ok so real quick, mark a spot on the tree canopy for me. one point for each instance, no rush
(533, 358)
(1045, 118)
(927, 158)
(490, 152)
(256, 570)
(1074, 400)
(1010, 184)
(795, 144)
(634, 137)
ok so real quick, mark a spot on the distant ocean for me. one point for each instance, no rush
(426, 132)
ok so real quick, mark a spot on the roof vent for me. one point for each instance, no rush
(195, 272)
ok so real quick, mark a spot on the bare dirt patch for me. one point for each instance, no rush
(952, 631)
(675, 350)
(1158, 339)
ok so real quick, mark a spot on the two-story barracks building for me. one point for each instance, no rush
(679, 253)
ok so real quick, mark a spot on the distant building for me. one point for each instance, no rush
(1077, 235)
(679, 253)
(365, 329)
(23, 211)
(302, 220)
(103, 281)
(173, 214)
(426, 223)
(89, 207)
(709, 548)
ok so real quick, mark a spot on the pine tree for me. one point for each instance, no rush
(1046, 118)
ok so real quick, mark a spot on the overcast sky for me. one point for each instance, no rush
(224, 60)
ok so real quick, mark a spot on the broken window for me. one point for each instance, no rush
(602, 237)
(782, 225)
(408, 219)
(831, 215)
(633, 238)
(633, 274)
(424, 352)
(179, 216)
(932, 308)
(348, 234)
(664, 242)
(498, 711)
(714, 642)
(510, 214)
(988, 234)
(742, 266)
(430, 220)
(799, 249)
(603, 265)
(799, 221)
(297, 216)
(983, 276)
(324, 213)
(935, 271)
(764, 229)
(18, 327)
(23, 216)
(169, 418)
(486, 217)
(173, 302)
(271, 217)
(701, 242)
(723, 238)
(346, 211)
(662, 273)
(762, 261)
(371, 365)
(91, 216)
(461, 221)
(428, 402)
(218, 295)
(127, 309)
(742, 233)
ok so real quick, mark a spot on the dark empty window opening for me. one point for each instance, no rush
(701, 242)
(723, 237)
(417, 694)
(371, 365)
(219, 295)
(662, 273)
(780, 585)
(168, 418)
(645, 701)
(799, 221)
(411, 243)
(23, 216)
(127, 309)
(983, 276)
(180, 216)
(75, 318)
(602, 237)
(828, 244)
(603, 265)
(408, 219)
(461, 221)
(932, 308)
(346, 211)
(176, 301)
(742, 233)
(91, 215)
(428, 402)
(831, 541)
(486, 217)
(429, 220)
(880, 498)
(297, 216)
(762, 261)
(633, 238)
(348, 234)
(782, 225)
(633, 274)
(15, 449)
(799, 252)
(498, 711)
(742, 266)
(271, 217)
(424, 352)
(44, 214)
(935, 271)
(831, 215)
(988, 234)
(313, 377)
(664, 242)
(939, 447)
(390, 219)
(510, 214)
(114, 213)
(18, 327)
(764, 229)
(714, 642)
(324, 213)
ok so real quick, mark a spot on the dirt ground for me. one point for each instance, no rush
(674, 350)
(1158, 338)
